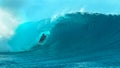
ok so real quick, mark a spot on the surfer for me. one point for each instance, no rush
(43, 37)
(37, 46)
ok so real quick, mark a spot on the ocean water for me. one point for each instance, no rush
(73, 40)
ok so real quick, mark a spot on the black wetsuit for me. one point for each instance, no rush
(42, 38)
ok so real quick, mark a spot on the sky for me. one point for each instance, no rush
(32, 10)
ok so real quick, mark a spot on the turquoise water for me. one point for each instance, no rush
(74, 40)
(28, 34)
(80, 33)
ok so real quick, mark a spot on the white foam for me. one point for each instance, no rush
(8, 23)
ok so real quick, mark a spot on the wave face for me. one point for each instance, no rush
(76, 39)
(84, 34)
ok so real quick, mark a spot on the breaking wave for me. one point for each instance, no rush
(82, 39)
